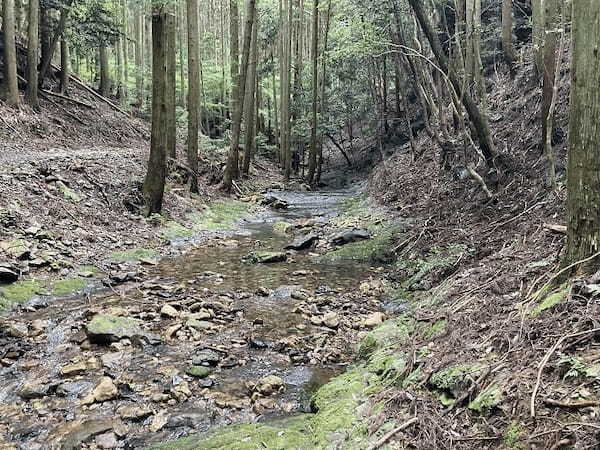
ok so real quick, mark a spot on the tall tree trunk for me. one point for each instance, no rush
(10, 53)
(583, 203)
(478, 119)
(44, 33)
(507, 30)
(154, 183)
(250, 100)
(138, 22)
(171, 119)
(232, 169)
(287, 70)
(537, 7)
(60, 28)
(104, 71)
(65, 69)
(33, 56)
(323, 106)
(125, 50)
(312, 157)
(193, 92)
(181, 40)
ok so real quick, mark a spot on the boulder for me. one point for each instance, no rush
(349, 236)
(207, 358)
(169, 311)
(331, 320)
(104, 391)
(269, 385)
(303, 242)
(266, 257)
(105, 328)
(8, 273)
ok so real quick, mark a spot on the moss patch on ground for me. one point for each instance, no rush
(67, 286)
(221, 215)
(487, 400)
(19, 292)
(551, 300)
(133, 255)
(391, 334)
(454, 380)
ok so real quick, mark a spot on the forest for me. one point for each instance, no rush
(299, 224)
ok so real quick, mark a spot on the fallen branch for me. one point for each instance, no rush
(545, 361)
(381, 442)
(573, 405)
(64, 97)
(481, 181)
(561, 229)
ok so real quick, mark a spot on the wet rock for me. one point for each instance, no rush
(207, 358)
(107, 440)
(123, 277)
(133, 412)
(104, 329)
(186, 419)
(104, 391)
(198, 371)
(349, 236)
(303, 242)
(257, 344)
(263, 291)
(225, 400)
(331, 320)
(8, 274)
(71, 370)
(73, 388)
(274, 202)
(373, 320)
(169, 311)
(266, 257)
(269, 385)
(35, 389)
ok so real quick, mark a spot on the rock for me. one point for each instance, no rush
(19, 248)
(123, 277)
(113, 360)
(263, 291)
(186, 419)
(8, 275)
(316, 320)
(202, 314)
(169, 311)
(274, 202)
(257, 344)
(83, 432)
(107, 328)
(206, 383)
(349, 236)
(303, 242)
(107, 440)
(266, 257)
(229, 362)
(35, 389)
(39, 262)
(199, 325)
(16, 330)
(225, 400)
(207, 358)
(331, 320)
(159, 421)
(269, 385)
(104, 391)
(73, 388)
(181, 391)
(198, 371)
(133, 412)
(73, 369)
(374, 319)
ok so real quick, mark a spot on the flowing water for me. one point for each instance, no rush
(260, 325)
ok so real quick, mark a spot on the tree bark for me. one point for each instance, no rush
(33, 55)
(154, 183)
(549, 53)
(251, 101)
(538, 35)
(65, 70)
(312, 157)
(60, 28)
(507, 30)
(583, 203)
(10, 53)
(139, 56)
(104, 71)
(193, 92)
(171, 119)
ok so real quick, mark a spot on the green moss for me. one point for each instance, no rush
(221, 216)
(378, 249)
(88, 271)
(135, 254)
(390, 334)
(68, 193)
(487, 400)
(389, 366)
(435, 330)
(281, 227)
(198, 371)
(512, 436)
(175, 230)
(18, 292)
(453, 379)
(551, 300)
(64, 287)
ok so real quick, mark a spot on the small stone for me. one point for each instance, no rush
(316, 320)
(73, 388)
(207, 358)
(331, 320)
(199, 325)
(169, 311)
(16, 330)
(73, 369)
(198, 371)
(132, 412)
(374, 319)
(107, 440)
(269, 385)
(257, 344)
(105, 390)
(34, 389)
(229, 362)
(263, 292)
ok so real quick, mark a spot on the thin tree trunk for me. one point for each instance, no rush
(583, 203)
(507, 30)
(31, 94)
(104, 71)
(154, 183)
(193, 92)
(312, 158)
(60, 28)
(538, 35)
(250, 99)
(65, 70)
(10, 53)
(139, 55)
(171, 119)
(232, 168)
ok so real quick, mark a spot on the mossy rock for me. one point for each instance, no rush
(67, 286)
(221, 216)
(550, 301)
(17, 293)
(175, 230)
(392, 333)
(134, 255)
(454, 380)
(389, 365)
(198, 371)
(435, 330)
(105, 328)
(513, 436)
(487, 400)
(378, 249)
(68, 193)
(281, 227)
(439, 261)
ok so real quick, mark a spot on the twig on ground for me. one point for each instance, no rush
(545, 361)
(381, 442)
(573, 405)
